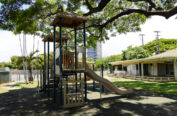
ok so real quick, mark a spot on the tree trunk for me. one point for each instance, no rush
(30, 76)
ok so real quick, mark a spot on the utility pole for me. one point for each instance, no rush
(157, 38)
(142, 35)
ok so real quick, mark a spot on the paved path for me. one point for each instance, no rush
(27, 102)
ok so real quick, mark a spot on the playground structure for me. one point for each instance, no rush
(70, 61)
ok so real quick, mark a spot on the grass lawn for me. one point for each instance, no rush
(159, 87)
(24, 85)
(2, 90)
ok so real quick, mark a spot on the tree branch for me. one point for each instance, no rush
(166, 14)
(88, 5)
(151, 3)
(99, 8)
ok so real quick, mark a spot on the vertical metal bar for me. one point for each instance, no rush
(75, 47)
(54, 87)
(44, 79)
(61, 55)
(67, 84)
(48, 68)
(93, 66)
(102, 74)
(80, 79)
(41, 78)
(85, 78)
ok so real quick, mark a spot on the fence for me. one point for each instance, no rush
(21, 75)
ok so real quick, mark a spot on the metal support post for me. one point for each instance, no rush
(85, 77)
(48, 68)
(44, 78)
(75, 47)
(54, 79)
(61, 55)
(93, 68)
(102, 75)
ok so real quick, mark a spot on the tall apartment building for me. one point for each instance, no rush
(95, 53)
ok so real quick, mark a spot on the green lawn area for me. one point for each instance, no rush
(24, 85)
(2, 90)
(19, 85)
(159, 87)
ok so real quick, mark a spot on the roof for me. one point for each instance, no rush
(71, 20)
(169, 55)
(50, 37)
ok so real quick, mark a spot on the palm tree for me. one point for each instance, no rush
(29, 60)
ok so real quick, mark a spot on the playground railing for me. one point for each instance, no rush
(73, 99)
(72, 61)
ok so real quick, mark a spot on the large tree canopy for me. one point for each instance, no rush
(134, 53)
(32, 16)
(165, 44)
(107, 60)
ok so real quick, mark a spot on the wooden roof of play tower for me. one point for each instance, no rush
(50, 38)
(71, 20)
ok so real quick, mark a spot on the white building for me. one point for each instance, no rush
(161, 65)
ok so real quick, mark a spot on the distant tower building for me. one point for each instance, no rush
(95, 53)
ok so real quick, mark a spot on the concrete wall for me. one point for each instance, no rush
(152, 69)
(131, 70)
(155, 71)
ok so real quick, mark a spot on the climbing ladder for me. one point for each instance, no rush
(73, 99)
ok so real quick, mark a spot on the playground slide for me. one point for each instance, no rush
(106, 83)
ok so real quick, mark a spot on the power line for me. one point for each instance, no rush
(157, 38)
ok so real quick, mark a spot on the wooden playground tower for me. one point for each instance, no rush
(67, 63)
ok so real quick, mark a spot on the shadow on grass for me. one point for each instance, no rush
(27, 101)
(165, 87)
(25, 85)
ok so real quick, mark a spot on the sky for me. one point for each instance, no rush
(10, 45)
(167, 28)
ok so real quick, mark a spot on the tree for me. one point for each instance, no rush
(117, 16)
(29, 60)
(165, 44)
(5, 64)
(134, 53)
(98, 63)
(111, 58)
(107, 60)
(17, 62)
(38, 62)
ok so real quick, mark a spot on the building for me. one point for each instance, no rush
(161, 65)
(5, 75)
(95, 53)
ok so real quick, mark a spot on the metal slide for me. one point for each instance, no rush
(106, 83)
